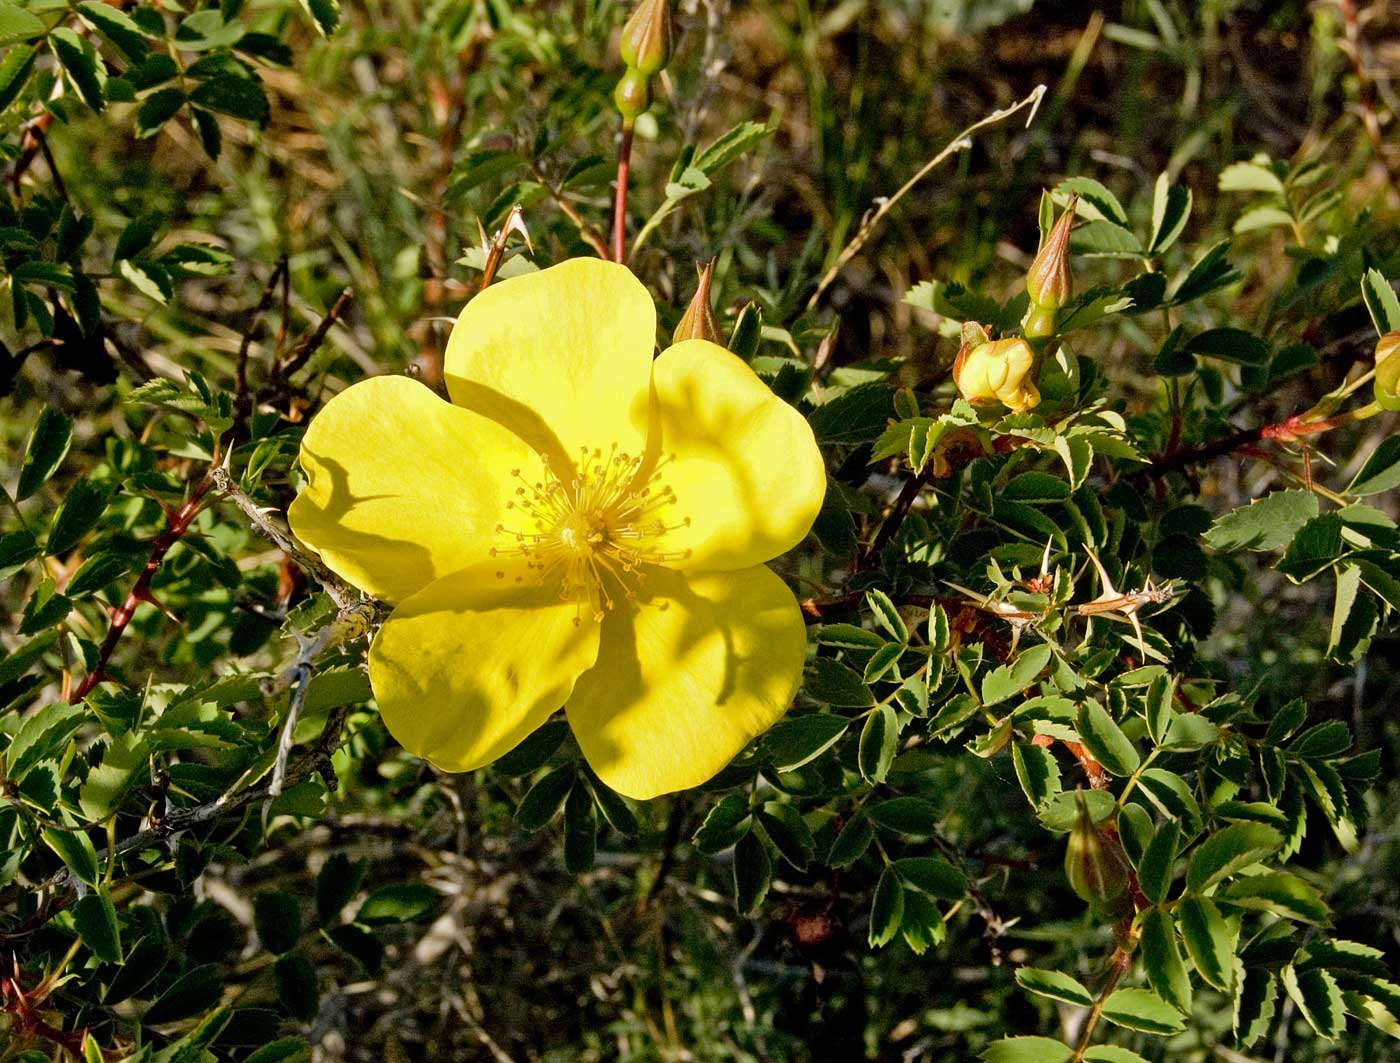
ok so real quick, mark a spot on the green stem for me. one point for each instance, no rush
(1134, 777)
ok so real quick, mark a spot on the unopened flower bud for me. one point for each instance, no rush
(998, 371)
(633, 94)
(646, 38)
(1048, 280)
(974, 335)
(698, 322)
(1388, 371)
(1095, 865)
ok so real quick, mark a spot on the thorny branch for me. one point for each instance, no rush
(177, 524)
(275, 531)
(1287, 429)
(355, 619)
(495, 249)
(352, 622)
(314, 760)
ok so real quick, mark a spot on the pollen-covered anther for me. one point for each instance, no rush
(596, 527)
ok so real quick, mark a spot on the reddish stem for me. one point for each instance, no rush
(1287, 429)
(177, 524)
(624, 165)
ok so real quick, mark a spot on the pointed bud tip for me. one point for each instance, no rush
(1048, 281)
(645, 45)
(698, 322)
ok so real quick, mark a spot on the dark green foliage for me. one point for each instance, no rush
(189, 188)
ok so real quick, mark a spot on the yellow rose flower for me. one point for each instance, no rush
(581, 526)
(999, 371)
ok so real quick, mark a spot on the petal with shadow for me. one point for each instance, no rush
(743, 464)
(562, 357)
(469, 666)
(402, 487)
(685, 679)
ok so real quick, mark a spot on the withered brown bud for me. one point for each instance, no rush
(1048, 281)
(698, 323)
(646, 38)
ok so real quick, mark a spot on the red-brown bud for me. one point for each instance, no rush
(698, 322)
(646, 38)
(1048, 281)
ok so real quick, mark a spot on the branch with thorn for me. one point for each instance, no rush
(1111, 600)
(494, 249)
(315, 760)
(177, 523)
(355, 619)
(287, 359)
(269, 523)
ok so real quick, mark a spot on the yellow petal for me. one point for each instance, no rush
(746, 472)
(403, 487)
(685, 680)
(561, 356)
(471, 664)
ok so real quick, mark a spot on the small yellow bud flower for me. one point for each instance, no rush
(1048, 281)
(646, 38)
(698, 323)
(999, 371)
(1388, 371)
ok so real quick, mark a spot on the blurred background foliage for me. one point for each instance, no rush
(364, 147)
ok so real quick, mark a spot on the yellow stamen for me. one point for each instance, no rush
(594, 532)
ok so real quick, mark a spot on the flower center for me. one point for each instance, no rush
(593, 532)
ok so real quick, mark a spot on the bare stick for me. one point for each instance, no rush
(245, 343)
(305, 347)
(885, 204)
(586, 231)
